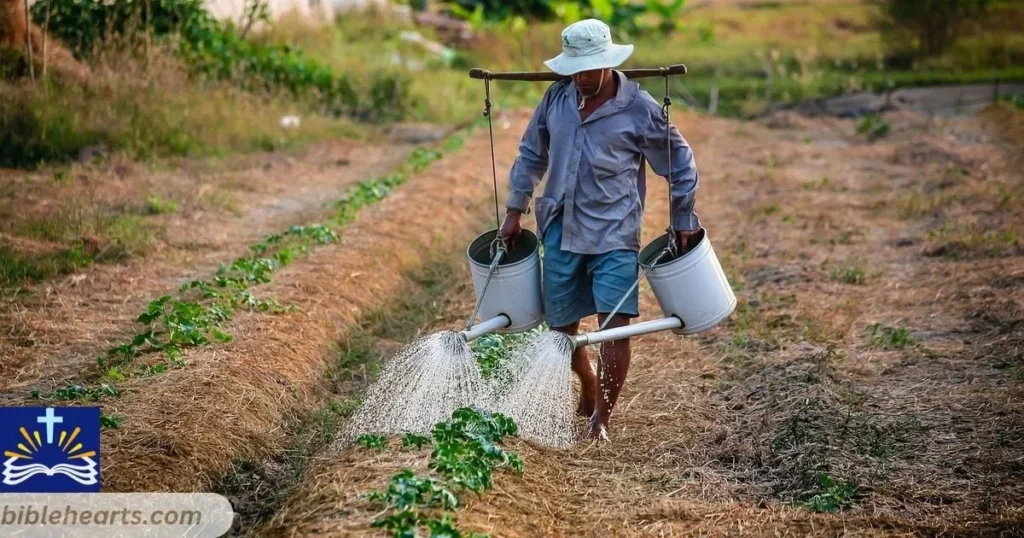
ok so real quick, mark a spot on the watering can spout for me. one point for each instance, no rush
(486, 327)
(629, 331)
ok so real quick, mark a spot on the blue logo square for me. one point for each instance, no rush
(50, 449)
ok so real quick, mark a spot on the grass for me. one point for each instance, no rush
(19, 267)
(873, 126)
(972, 241)
(148, 111)
(156, 205)
(852, 274)
(74, 235)
(887, 337)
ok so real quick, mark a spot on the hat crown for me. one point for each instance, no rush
(586, 37)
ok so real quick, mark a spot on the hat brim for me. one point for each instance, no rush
(570, 65)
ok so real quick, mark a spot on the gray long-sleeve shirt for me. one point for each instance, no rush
(596, 173)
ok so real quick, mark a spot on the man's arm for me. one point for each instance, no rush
(528, 169)
(683, 177)
(532, 161)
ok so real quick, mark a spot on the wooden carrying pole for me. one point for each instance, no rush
(540, 76)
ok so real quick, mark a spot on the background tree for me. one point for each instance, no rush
(928, 27)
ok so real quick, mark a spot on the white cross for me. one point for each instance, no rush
(49, 419)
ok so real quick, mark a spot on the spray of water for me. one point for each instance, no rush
(535, 388)
(421, 386)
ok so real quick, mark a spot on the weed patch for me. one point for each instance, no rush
(156, 205)
(17, 268)
(873, 127)
(888, 337)
(849, 274)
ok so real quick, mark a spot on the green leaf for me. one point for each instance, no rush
(112, 422)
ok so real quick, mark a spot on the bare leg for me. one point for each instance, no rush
(581, 365)
(614, 366)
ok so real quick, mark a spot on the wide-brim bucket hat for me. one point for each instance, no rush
(587, 45)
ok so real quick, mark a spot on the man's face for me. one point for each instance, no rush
(589, 81)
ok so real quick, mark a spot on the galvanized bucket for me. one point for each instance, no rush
(515, 288)
(691, 287)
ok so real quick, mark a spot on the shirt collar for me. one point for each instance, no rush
(624, 95)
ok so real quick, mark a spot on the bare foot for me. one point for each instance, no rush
(585, 408)
(598, 429)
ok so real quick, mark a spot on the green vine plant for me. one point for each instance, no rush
(466, 451)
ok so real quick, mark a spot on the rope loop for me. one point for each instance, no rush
(672, 247)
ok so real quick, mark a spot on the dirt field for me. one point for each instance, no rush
(878, 346)
(824, 236)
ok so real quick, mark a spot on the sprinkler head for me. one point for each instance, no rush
(453, 342)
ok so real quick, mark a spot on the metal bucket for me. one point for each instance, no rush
(691, 287)
(515, 288)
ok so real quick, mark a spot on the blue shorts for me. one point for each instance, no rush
(581, 285)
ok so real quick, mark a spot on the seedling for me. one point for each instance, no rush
(406, 490)
(112, 422)
(415, 441)
(833, 497)
(465, 453)
(371, 441)
(492, 350)
(79, 392)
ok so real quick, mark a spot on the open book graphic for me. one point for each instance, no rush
(84, 473)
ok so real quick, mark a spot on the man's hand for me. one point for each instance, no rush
(687, 239)
(510, 228)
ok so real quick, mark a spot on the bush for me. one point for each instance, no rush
(928, 27)
(621, 15)
(209, 46)
(499, 10)
(32, 131)
(84, 24)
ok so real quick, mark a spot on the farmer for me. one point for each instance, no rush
(592, 133)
